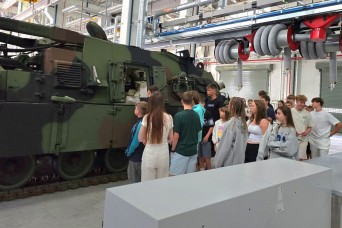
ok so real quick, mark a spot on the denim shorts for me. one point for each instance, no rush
(182, 164)
(204, 149)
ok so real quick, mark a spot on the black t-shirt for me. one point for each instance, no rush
(213, 107)
(208, 123)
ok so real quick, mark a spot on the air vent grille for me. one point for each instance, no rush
(67, 74)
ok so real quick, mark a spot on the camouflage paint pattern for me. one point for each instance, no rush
(98, 76)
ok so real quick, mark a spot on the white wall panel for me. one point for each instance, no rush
(275, 83)
(309, 80)
(255, 78)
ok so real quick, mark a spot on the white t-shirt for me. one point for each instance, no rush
(218, 130)
(320, 132)
(168, 125)
(302, 120)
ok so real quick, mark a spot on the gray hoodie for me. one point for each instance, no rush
(283, 142)
(232, 146)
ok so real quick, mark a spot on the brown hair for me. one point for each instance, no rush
(237, 109)
(261, 112)
(318, 100)
(155, 118)
(301, 98)
(287, 113)
(196, 97)
(291, 97)
(309, 108)
(212, 86)
(288, 102)
(266, 97)
(187, 98)
(153, 88)
(143, 106)
(262, 93)
(281, 101)
(226, 113)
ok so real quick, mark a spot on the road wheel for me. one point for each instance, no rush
(74, 165)
(16, 171)
(115, 160)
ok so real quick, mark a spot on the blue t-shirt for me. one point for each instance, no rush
(135, 148)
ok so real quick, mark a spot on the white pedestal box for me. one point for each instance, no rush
(277, 193)
(333, 161)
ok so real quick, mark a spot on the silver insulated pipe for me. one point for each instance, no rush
(177, 9)
(333, 70)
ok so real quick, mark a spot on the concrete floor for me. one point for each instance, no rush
(82, 207)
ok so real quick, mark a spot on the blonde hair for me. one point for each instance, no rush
(142, 106)
(301, 98)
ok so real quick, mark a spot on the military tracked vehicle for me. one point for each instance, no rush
(70, 97)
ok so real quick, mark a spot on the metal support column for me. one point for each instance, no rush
(140, 40)
(129, 22)
(116, 23)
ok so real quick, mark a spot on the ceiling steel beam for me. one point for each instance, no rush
(185, 6)
(229, 10)
(34, 8)
(254, 20)
(231, 28)
(197, 40)
(7, 4)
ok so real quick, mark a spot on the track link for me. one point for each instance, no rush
(35, 188)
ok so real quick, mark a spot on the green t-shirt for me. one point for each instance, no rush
(187, 124)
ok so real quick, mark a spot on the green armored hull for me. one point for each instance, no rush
(71, 97)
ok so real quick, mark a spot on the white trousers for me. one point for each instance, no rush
(316, 152)
(302, 149)
(155, 162)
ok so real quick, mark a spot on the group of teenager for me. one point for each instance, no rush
(211, 133)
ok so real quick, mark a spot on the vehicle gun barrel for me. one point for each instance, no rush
(53, 33)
